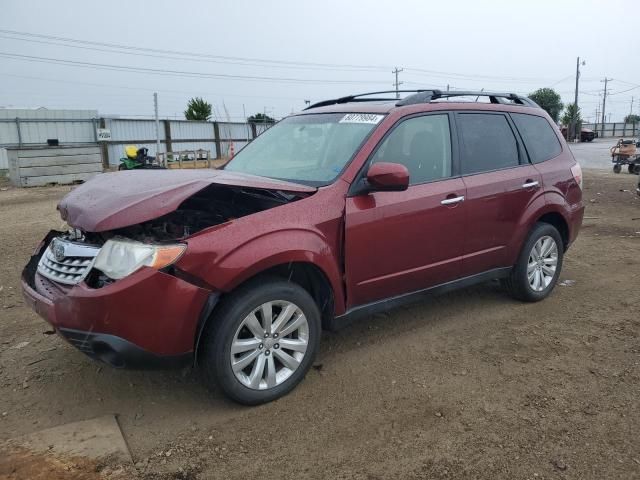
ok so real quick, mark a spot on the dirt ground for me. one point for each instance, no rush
(469, 385)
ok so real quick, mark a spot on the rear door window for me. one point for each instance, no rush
(486, 142)
(539, 138)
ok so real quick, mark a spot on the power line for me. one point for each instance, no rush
(195, 59)
(187, 54)
(159, 71)
(462, 76)
(145, 89)
(625, 91)
(244, 61)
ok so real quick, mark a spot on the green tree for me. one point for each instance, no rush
(549, 100)
(198, 109)
(631, 118)
(571, 113)
(260, 118)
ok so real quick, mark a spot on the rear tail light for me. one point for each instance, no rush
(576, 170)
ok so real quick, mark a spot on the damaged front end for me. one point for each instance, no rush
(209, 207)
(114, 293)
(158, 243)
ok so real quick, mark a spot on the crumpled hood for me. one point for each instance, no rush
(120, 199)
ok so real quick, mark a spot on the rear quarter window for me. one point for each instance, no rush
(539, 138)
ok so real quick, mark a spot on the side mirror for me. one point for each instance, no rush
(388, 177)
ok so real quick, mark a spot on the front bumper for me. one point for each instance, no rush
(147, 319)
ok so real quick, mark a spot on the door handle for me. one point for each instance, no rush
(531, 184)
(452, 201)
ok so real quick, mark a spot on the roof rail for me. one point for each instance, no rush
(427, 96)
(356, 98)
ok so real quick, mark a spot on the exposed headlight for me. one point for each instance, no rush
(119, 257)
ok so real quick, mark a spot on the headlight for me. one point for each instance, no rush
(119, 258)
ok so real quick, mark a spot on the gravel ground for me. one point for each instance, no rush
(469, 385)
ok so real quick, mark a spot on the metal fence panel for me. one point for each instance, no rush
(132, 130)
(235, 131)
(4, 160)
(37, 133)
(614, 129)
(8, 133)
(190, 130)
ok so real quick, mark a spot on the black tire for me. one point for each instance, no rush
(122, 166)
(215, 345)
(636, 169)
(630, 168)
(617, 168)
(517, 284)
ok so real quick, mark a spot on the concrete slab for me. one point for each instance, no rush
(98, 438)
(75, 451)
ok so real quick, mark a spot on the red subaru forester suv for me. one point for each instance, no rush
(355, 205)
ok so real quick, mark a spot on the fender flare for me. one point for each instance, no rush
(529, 219)
(273, 249)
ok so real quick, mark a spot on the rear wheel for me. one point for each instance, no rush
(539, 264)
(262, 341)
(617, 168)
(631, 168)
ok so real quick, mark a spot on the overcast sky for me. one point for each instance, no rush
(275, 54)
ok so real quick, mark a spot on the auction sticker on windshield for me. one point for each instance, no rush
(361, 118)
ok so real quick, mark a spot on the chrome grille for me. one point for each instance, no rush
(67, 262)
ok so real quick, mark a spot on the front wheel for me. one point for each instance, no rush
(617, 168)
(539, 264)
(122, 166)
(262, 341)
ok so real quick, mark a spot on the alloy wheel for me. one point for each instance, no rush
(543, 260)
(269, 345)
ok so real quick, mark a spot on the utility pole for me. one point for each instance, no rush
(604, 102)
(155, 109)
(631, 109)
(397, 83)
(572, 128)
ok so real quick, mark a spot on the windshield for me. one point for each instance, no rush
(308, 149)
